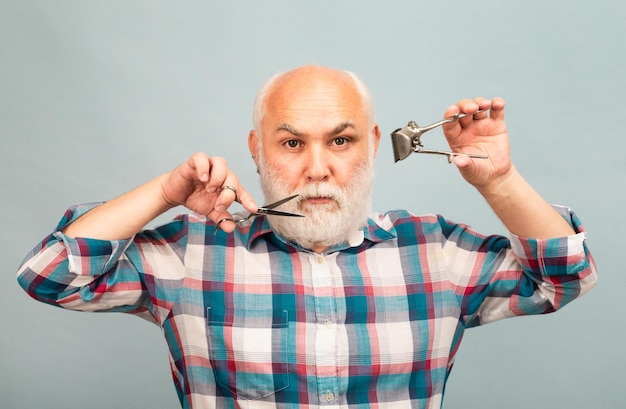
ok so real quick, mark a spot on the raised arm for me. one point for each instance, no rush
(194, 184)
(522, 210)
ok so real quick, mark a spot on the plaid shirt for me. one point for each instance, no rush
(252, 321)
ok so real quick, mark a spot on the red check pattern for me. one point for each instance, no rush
(253, 321)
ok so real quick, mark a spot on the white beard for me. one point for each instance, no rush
(323, 225)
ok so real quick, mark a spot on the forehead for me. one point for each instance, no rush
(310, 99)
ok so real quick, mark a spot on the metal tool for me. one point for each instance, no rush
(408, 140)
(266, 209)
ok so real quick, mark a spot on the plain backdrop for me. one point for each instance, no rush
(97, 97)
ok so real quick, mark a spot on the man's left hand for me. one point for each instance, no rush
(483, 133)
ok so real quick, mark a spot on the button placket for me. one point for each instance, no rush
(326, 333)
(329, 396)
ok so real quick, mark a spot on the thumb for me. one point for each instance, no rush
(462, 162)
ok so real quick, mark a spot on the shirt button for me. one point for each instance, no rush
(320, 259)
(328, 324)
(329, 396)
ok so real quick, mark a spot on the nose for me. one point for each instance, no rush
(318, 169)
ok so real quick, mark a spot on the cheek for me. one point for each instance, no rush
(344, 169)
(290, 171)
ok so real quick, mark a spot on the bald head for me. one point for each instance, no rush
(282, 85)
(315, 136)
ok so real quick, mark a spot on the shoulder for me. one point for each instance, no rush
(404, 226)
(395, 218)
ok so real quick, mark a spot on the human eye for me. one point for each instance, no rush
(292, 143)
(340, 141)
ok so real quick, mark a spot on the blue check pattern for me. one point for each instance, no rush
(253, 321)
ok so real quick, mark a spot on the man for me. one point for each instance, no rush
(341, 308)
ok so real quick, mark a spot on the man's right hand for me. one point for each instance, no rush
(196, 184)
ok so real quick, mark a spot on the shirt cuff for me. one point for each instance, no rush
(88, 257)
(554, 256)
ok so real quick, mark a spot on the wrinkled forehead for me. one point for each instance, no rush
(314, 96)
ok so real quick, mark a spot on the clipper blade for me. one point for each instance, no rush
(402, 143)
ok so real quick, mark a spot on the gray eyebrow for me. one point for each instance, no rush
(340, 128)
(288, 128)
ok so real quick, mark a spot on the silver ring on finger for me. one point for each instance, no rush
(218, 225)
(230, 188)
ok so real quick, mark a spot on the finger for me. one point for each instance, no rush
(227, 193)
(230, 193)
(451, 127)
(451, 111)
(483, 105)
(246, 199)
(194, 167)
(226, 197)
(467, 106)
(462, 162)
(217, 173)
(223, 220)
(497, 108)
(199, 164)
(227, 225)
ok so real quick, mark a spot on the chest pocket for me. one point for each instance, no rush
(248, 349)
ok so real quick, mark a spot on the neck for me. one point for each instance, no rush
(319, 249)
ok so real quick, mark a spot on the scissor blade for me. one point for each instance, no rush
(272, 212)
(278, 203)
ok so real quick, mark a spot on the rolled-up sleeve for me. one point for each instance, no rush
(99, 275)
(561, 267)
(498, 277)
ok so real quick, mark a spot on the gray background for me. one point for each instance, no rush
(97, 97)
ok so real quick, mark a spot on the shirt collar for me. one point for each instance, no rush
(371, 232)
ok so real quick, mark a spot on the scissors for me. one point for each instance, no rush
(265, 209)
(408, 140)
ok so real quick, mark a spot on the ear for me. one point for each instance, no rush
(376, 136)
(253, 145)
